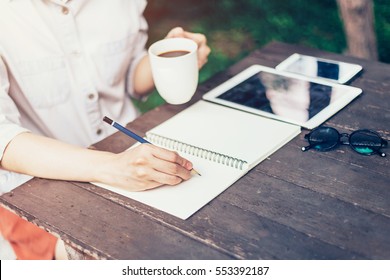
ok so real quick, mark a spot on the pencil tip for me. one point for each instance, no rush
(108, 120)
(196, 172)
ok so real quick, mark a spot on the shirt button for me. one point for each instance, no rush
(92, 96)
(99, 131)
(65, 10)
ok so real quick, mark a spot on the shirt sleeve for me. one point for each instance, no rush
(139, 49)
(9, 114)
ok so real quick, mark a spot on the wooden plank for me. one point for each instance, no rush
(321, 215)
(130, 236)
(340, 173)
(242, 233)
(99, 227)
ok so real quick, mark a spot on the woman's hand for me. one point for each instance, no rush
(203, 49)
(146, 167)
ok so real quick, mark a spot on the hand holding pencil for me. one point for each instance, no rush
(148, 166)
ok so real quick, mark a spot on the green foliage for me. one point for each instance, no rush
(382, 28)
(154, 100)
(314, 23)
(236, 27)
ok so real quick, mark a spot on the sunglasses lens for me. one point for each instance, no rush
(365, 142)
(324, 138)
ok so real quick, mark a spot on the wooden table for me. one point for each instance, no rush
(293, 205)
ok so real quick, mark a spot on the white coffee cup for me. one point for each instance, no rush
(175, 78)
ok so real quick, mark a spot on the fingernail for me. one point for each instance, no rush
(189, 165)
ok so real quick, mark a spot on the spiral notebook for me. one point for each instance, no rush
(222, 143)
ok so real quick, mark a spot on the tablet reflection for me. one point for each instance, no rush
(287, 97)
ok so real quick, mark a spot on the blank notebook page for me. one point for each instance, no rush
(215, 128)
(227, 131)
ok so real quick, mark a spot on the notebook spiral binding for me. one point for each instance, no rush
(196, 151)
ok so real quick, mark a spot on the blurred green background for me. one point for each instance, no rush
(234, 28)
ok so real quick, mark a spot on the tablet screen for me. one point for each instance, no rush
(284, 96)
(296, 99)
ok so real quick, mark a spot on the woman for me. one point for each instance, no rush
(63, 66)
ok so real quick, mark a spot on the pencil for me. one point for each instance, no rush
(133, 135)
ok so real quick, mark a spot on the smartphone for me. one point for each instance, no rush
(310, 66)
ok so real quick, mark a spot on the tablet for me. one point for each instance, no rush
(284, 96)
(311, 66)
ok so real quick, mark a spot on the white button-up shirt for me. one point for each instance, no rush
(64, 65)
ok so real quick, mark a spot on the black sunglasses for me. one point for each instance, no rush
(363, 141)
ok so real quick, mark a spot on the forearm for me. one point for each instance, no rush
(143, 80)
(143, 167)
(48, 158)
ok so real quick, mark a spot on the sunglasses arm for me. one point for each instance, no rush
(382, 154)
(383, 145)
(304, 149)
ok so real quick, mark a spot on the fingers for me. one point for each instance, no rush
(172, 157)
(203, 49)
(149, 178)
(200, 39)
(161, 166)
(172, 164)
(175, 32)
(203, 54)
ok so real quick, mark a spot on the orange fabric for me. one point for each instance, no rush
(28, 241)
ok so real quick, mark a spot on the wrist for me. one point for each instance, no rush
(102, 166)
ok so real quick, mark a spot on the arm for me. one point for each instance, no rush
(141, 168)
